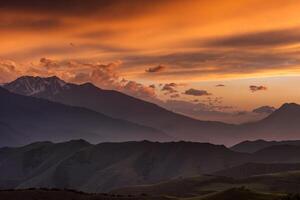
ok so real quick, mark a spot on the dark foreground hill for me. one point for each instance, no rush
(99, 168)
(26, 119)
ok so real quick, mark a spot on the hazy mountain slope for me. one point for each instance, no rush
(37, 120)
(256, 145)
(119, 105)
(9, 136)
(278, 154)
(282, 124)
(106, 166)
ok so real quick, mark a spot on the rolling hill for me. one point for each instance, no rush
(210, 187)
(98, 168)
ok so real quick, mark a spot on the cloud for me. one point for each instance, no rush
(49, 63)
(255, 88)
(106, 9)
(219, 63)
(80, 77)
(220, 85)
(29, 24)
(8, 70)
(169, 88)
(158, 68)
(196, 92)
(103, 75)
(256, 39)
(205, 111)
(173, 96)
(139, 90)
(152, 86)
(264, 110)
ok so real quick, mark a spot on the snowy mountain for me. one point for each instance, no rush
(30, 86)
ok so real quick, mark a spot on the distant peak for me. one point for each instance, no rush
(289, 105)
(288, 111)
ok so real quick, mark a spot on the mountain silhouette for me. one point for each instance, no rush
(26, 119)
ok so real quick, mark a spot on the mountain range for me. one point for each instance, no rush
(97, 168)
(25, 119)
(104, 167)
(118, 105)
(282, 124)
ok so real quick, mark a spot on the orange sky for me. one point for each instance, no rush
(196, 44)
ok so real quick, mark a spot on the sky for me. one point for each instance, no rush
(210, 59)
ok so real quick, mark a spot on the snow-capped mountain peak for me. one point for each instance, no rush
(30, 85)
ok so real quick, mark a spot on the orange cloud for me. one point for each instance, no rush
(196, 92)
(158, 68)
(255, 88)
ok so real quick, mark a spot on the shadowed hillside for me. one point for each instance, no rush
(97, 168)
(26, 119)
(118, 105)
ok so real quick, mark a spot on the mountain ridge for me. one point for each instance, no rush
(282, 124)
(35, 119)
(103, 167)
(118, 105)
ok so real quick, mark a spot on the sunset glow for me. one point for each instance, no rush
(138, 46)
